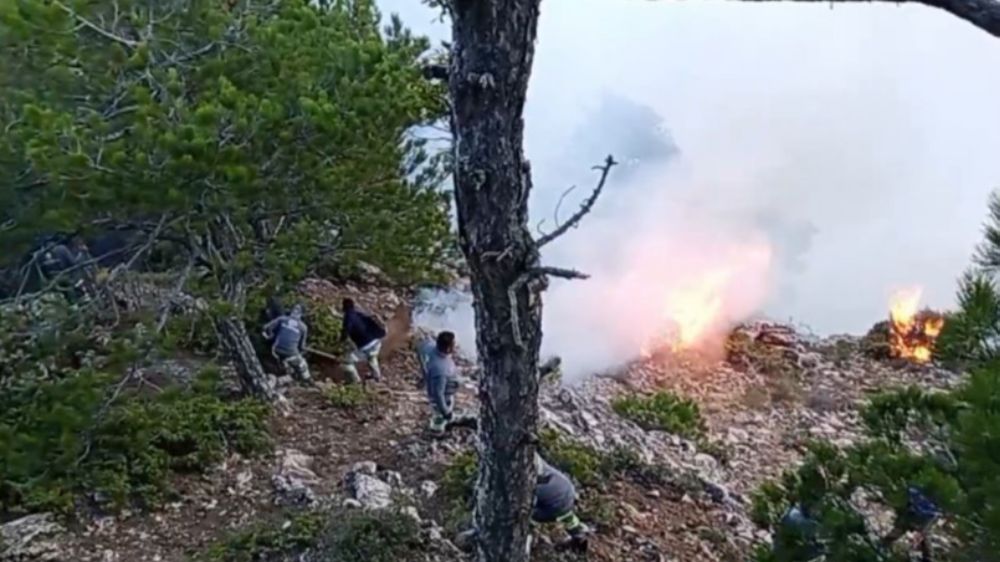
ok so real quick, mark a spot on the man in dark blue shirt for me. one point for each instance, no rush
(366, 334)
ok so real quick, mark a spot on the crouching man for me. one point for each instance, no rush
(289, 336)
(555, 502)
(441, 380)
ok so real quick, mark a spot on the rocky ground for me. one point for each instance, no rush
(380, 455)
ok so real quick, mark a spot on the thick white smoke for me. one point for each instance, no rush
(853, 148)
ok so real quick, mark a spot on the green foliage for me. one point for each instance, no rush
(192, 332)
(891, 414)
(381, 536)
(458, 484)
(955, 466)
(586, 465)
(60, 440)
(353, 536)
(268, 541)
(349, 396)
(261, 138)
(662, 411)
(324, 327)
(972, 334)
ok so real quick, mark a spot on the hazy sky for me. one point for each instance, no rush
(878, 125)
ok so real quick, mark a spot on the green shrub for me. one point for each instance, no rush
(268, 540)
(349, 396)
(458, 488)
(662, 411)
(192, 332)
(61, 440)
(324, 327)
(381, 536)
(586, 465)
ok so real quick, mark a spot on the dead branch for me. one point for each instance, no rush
(560, 272)
(585, 208)
(161, 322)
(984, 14)
(555, 213)
(96, 28)
(534, 274)
(150, 240)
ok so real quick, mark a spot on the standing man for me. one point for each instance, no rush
(440, 378)
(289, 335)
(366, 334)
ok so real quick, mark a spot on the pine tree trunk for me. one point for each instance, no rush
(491, 63)
(236, 343)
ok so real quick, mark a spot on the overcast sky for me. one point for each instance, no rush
(877, 126)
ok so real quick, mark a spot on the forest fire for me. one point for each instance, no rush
(912, 332)
(698, 308)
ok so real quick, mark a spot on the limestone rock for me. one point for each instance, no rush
(35, 538)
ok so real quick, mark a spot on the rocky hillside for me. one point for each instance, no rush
(353, 466)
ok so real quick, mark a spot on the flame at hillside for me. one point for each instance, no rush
(912, 332)
(724, 288)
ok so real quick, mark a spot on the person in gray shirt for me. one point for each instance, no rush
(290, 333)
(440, 378)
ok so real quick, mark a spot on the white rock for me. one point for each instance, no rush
(293, 479)
(412, 513)
(32, 538)
(429, 488)
(370, 491)
(365, 467)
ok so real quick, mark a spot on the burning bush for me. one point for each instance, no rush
(909, 334)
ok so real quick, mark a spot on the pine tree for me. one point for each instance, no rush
(255, 137)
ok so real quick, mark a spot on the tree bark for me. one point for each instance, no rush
(493, 47)
(236, 343)
(984, 14)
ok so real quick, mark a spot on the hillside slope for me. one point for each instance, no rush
(339, 452)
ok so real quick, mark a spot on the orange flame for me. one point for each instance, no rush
(912, 333)
(697, 307)
(710, 296)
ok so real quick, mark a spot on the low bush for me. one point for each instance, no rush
(662, 411)
(73, 438)
(268, 541)
(349, 396)
(380, 536)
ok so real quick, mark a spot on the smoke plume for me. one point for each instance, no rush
(785, 160)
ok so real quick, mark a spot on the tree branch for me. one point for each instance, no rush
(96, 28)
(984, 14)
(560, 272)
(585, 208)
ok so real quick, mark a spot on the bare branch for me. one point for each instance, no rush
(585, 208)
(560, 272)
(555, 213)
(534, 274)
(161, 321)
(984, 14)
(153, 237)
(96, 28)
